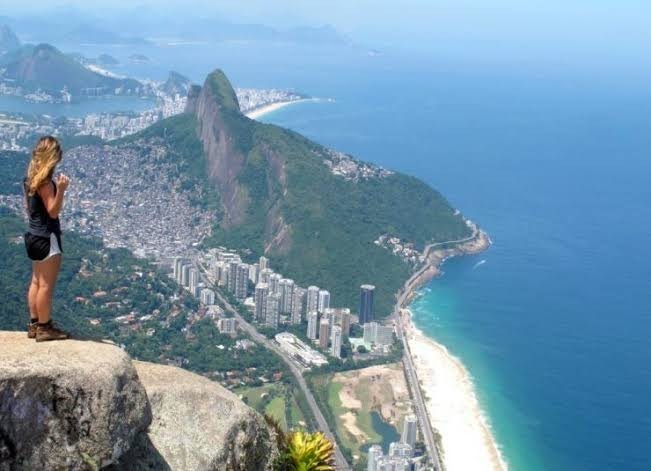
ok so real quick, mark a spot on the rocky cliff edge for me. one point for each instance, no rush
(82, 404)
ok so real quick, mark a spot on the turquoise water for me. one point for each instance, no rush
(554, 161)
(554, 326)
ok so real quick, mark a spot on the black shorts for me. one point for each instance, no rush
(41, 248)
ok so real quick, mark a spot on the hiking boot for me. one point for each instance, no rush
(31, 330)
(45, 332)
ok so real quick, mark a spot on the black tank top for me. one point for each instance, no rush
(40, 222)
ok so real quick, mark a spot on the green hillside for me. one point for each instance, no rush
(317, 227)
(45, 67)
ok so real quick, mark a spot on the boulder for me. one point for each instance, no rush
(198, 425)
(67, 405)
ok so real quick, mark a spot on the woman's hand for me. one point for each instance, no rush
(63, 182)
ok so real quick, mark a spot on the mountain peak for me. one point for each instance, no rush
(220, 87)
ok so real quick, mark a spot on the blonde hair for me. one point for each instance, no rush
(45, 157)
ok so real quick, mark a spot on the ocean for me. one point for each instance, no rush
(554, 321)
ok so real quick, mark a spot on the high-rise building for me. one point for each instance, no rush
(297, 305)
(185, 275)
(374, 453)
(272, 316)
(366, 313)
(410, 430)
(241, 281)
(231, 279)
(274, 283)
(193, 280)
(207, 297)
(335, 349)
(324, 300)
(253, 274)
(312, 298)
(221, 273)
(324, 332)
(177, 265)
(260, 300)
(263, 263)
(227, 325)
(341, 317)
(265, 275)
(286, 290)
(312, 319)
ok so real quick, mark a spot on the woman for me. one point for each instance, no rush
(44, 200)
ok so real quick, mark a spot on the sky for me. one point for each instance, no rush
(618, 29)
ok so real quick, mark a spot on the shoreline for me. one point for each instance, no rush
(453, 409)
(260, 111)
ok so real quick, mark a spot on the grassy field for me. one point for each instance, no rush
(366, 406)
(277, 401)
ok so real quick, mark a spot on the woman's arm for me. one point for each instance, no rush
(54, 202)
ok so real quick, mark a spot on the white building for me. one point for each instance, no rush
(312, 320)
(193, 280)
(374, 453)
(253, 274)
(312, 298)
(336, 337)
(263, 263)
(410, 430)
(272, 316)
(324, 300)
(274, 283)
(207, 297)
(265, 275)
(377, 334)
(298, 350)
(297, 305)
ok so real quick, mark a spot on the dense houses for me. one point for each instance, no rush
(252, 98)
(16, 131)
(131, 196)
(345, 166)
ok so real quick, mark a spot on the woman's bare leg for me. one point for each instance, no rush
(46, 273)
(31, 295)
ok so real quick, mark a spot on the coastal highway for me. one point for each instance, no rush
(341, 463)
(410, 370)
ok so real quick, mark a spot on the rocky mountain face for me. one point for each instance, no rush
(8, 39)
(83, 404)
(314, 211)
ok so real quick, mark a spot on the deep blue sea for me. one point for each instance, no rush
(554, 161)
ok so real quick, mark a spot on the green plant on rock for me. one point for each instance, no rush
(310, 452)
(302, 451)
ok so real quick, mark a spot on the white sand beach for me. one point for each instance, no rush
(452, 405)
(263, 110)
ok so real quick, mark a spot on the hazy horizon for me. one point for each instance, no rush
(505, 28)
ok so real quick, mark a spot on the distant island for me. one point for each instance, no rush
(139, 59)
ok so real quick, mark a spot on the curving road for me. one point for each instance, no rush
(341, 462)
(410, 370)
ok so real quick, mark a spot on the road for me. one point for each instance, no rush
(410, 370)
(341, 462)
